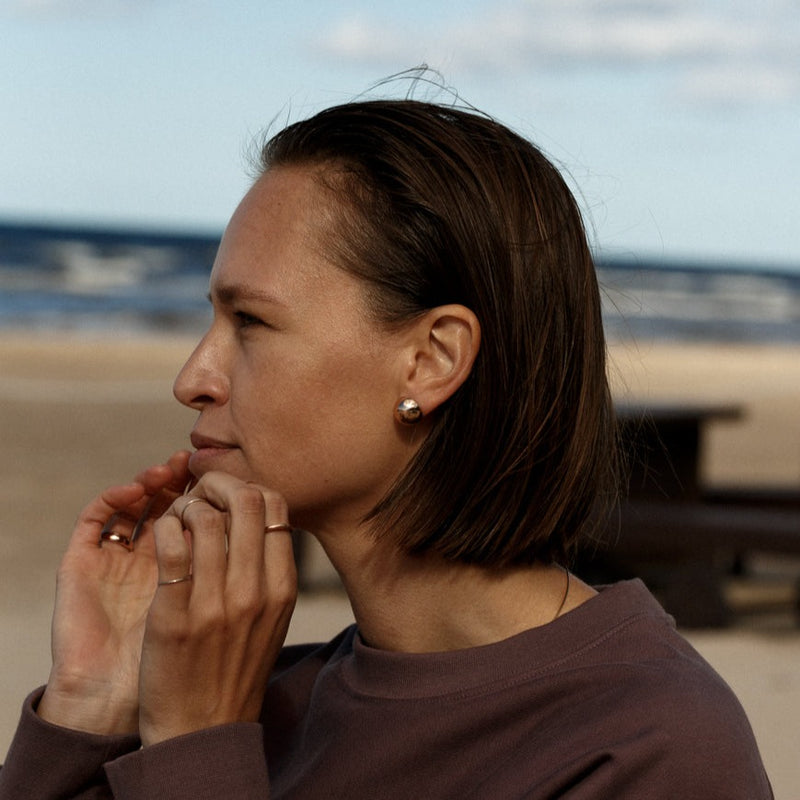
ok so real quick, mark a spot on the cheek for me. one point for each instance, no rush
(311, 398)
(290, 402)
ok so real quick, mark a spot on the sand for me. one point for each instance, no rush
(78, 413)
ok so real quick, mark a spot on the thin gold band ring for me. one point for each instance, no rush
(116, 538)
(281, 526)
(176, 580)
(183, 512)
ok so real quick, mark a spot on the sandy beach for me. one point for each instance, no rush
(79, 413)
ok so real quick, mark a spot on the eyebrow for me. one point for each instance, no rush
(229, 294)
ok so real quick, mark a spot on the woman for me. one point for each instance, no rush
(406, 359)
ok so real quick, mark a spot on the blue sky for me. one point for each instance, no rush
(677, 120)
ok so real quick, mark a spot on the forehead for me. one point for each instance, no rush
(274, 246)
(274, 234)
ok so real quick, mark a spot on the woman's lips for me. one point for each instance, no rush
(202, 442)
(208, 452)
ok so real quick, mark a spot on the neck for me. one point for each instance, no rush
(423, 604)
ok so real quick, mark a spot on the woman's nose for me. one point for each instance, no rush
(202, 380)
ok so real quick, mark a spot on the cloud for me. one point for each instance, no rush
(74, 9)
(361, 40)
(731, 85)
(737, 51)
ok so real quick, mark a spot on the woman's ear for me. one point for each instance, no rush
(443, 346)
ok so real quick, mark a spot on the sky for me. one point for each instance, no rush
(677, 122)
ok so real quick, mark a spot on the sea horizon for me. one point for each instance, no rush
(84, 277)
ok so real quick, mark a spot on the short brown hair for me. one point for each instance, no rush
(438, 204)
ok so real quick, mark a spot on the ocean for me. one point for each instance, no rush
(70, 278)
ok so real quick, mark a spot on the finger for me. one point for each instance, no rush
(243, 508)
(154, 478)
(173, 557)
(246, 540)
(250, 509)
(179, 464)
(114, 499)
(120, 529)
(254, 557)
(97, 513)
(170, 477)
(207, 527)
(163, 483)
(280, 570)
(177, 472)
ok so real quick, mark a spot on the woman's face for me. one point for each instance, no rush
(294, 382)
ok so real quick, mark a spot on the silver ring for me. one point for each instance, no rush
(281, 526)
(183, 512)
(176, 580)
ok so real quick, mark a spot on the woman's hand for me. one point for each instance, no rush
(102, 597)
(211, 641)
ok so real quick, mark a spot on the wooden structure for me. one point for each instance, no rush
(681, 539)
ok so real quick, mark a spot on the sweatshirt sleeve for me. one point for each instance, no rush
(221, 762)
(48, 762)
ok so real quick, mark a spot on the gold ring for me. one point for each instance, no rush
(116, 538)
(281, 526)
(183, 512)
(176, 580)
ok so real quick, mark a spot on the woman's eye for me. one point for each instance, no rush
(246, 320)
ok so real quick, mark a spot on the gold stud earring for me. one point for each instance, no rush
(408, 412)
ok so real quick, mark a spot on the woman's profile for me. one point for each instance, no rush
(406, 359)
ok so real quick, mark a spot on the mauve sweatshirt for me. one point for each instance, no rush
(605, 702)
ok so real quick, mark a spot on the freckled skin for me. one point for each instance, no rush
(293, 373)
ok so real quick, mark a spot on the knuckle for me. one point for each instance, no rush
(249, 500)
(245, 604)
(171, 552)
(202, 515)
(173, 509)
(210, 477)
(276, 505)
(209, 620)
(164, 627)
(172, 560)
(283, 591)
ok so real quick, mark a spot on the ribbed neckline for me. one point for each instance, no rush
(381, 673)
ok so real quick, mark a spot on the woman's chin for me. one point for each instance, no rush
(218, 459)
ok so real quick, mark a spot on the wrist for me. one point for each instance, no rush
(90, 707)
